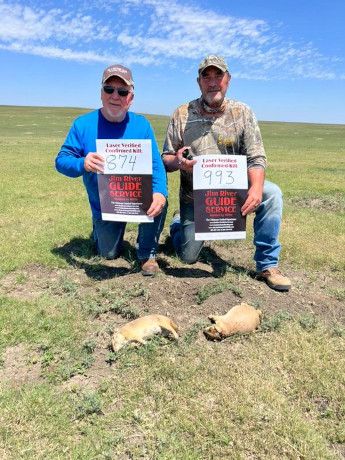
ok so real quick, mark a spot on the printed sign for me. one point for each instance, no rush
(220, 185)
(125, 187)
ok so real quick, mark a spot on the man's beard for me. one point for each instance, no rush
(220, 107)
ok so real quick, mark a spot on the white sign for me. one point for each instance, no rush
(125, 187)
(124, 156)
(220, 171)
(220, 184)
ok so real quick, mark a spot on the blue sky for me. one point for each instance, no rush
(287, 59)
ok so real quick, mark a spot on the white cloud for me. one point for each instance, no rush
(153, 32)
(22, 24)
(55, 52)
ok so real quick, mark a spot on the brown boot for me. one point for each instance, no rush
(275, 279)
(149, 267)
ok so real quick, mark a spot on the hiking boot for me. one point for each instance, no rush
(149, 267)
(275, 279)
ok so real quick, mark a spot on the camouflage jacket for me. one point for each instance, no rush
(235, 132)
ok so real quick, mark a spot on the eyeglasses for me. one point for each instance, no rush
(123, 92)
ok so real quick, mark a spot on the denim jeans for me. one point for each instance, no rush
(266, 230)
(109, 235)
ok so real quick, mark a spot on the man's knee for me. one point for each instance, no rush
(272, 190)
(108, 237)
(108, 254)
(189, 259)
(272, 197)
(190, 252)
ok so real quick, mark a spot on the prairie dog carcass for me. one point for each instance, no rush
(241, 318)
(143, 328)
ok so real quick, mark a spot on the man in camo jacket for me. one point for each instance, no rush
(214, 124)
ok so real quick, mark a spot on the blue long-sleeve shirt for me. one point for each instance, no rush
(81, 140)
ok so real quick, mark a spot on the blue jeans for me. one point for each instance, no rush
(109, 235)
(266, 230)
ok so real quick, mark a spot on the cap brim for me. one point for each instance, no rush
(213, 65)
(128, 82)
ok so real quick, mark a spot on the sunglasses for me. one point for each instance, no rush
(120, 91)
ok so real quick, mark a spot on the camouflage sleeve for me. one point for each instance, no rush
(252, 141)
(173, 140)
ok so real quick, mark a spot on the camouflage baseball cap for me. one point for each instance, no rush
(118, 70)
(213, 60)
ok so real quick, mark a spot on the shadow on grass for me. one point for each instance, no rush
(81, 253)
(207, 256)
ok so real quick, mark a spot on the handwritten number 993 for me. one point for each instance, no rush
(219, 177)
(119, 161)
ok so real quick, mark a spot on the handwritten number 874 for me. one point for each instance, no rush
(119, 161)
(219, 177)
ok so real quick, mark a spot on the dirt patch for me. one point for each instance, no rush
(20, 366)
(28, 283)
(175, 292)
(333, 203)
(100, 371)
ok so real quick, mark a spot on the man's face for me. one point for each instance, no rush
(115, 106)
(213, 84)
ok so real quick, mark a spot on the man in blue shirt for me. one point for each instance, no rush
(78, 157)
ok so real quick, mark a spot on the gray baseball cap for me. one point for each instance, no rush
(215, 61)
(118, 70)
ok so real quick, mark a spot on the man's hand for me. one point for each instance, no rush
(94, 162)
(157, 205)
(174, 162)
(253, 200)
(254, 197)
(183, 163)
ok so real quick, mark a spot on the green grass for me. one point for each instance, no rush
(305, 160)
(279, 394)
(158, 405)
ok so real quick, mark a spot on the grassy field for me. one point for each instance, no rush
(279, 394)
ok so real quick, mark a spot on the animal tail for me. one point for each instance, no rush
(174, 326)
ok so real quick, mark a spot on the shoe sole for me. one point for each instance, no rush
(277, 287)
(148, 273)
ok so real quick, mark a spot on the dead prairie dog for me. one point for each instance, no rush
(241, 318)
(143, 328)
